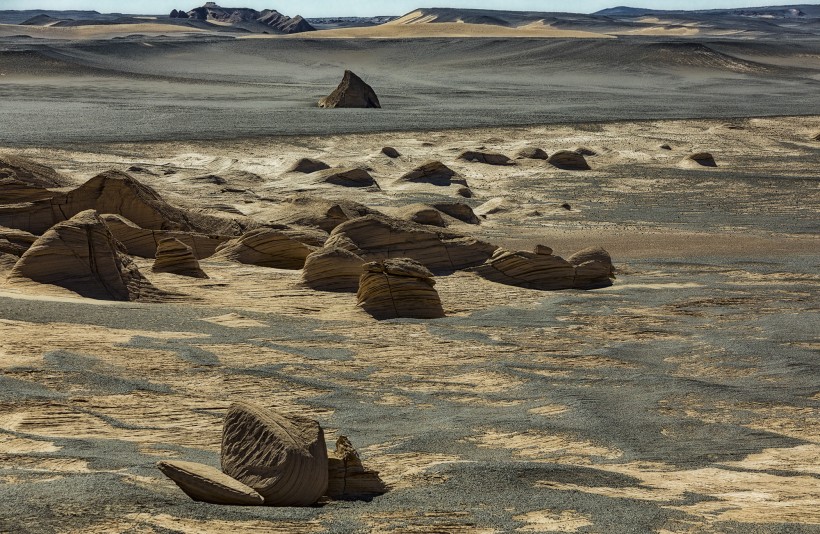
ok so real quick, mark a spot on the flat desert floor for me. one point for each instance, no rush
(682, 399)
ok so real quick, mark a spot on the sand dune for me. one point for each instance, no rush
(449, 30)
(93, 31)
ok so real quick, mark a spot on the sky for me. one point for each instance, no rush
(328, 8)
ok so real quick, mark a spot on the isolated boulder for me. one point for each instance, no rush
(390, 152)
(265, 247)
(593, 268)
(332, 269)
(81, 255)
(308, 165)
(528, 269)
(490, 158)
(350, 177)
(352, 92)
(347, 477)
(569, 161)
(204, 483)
(433, 172)
(532, 153)
(282, 457)
(175, 257)
(700, 159)
(398, 287)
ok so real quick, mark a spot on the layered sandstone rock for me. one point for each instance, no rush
(352, 92)
(435, 173)
(207, 484)
(81, 255)
(312, 211)
(532, 153)
(377, 237)
(23, 180)
(332, 269)
(307, 166)
(282, 457)
(398, 287)
(593, 268)
(15, 242)
(458, 210)
(490, 158)
(175, 257)
(568, 160)
(347, 477)
(143, 242)
(351, 177)
(265, 247)
(422, 214)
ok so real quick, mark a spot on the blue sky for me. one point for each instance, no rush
(316, 8)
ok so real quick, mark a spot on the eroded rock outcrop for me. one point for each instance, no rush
(458, 210)
(175, 257)
(143, 242)
(24, 180)
(332, 269)
(347, 477)
(316, 212)
(568, 160)
(352, 92)
(308, 165)
(490, 158)
(204, 483)
(282, 457)
(398, 287)
(593, 268)
(265, 247)
(422, 214)
(435, 173)
(351, 177)
(81, 255)
(15, 242)
(378, 237)
(700, 159)
(532, 153)
(390, 152)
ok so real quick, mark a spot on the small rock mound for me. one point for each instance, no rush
(352, 92)
(569, 161)
(422, 214)
(490, 158)
(81, 255)
(204, 483)
(307, 166)
(282, 457)
(703, 159)
(347, 477)
(175, 257)
(265, 247)
(354, 177)
(532, 153)
(458, 210)
(464, 192)
(378, 237)
(593, 268)
(584, 151)
(332, 269)
(816, 136)
(433, 172)
(390, 152)
(665, 146)
(398, 287)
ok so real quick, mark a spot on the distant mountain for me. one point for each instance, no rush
(783, 12)
(266, 21)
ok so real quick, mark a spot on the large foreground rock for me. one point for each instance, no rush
(347, 477)
(352, 92)
(399, 287)
(283, 458)
(569, 161)
(265, 247)
(378, 237)
(207, 484)
(82, 256)
(175, 257)
(332, 269)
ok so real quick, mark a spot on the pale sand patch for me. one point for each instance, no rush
(102, 31)
(405, 470)
(10, 444)
(549, 410)
(553, 521)
(540, 445)
(235, 320)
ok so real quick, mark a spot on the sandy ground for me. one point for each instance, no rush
(683, 399)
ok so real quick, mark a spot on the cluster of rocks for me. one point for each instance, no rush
(274, 459)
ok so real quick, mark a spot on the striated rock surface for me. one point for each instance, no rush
(532, 153)
(313, 211)
(265, 247)
(528, 269)
(347, 478)
(82, 255)
(490, 158)
(593, 268)
(458, 210)
(207, 484)
(283, 458)
(398, 287)
(23, 180)
(569, 161)
(175, 257)
(352, 177)
(433, 172)
(378, 237)
(332, 269)
(422, 214)
(352, 92)
(143, 242)
(15, 242)
(307, 166)
(702, 159)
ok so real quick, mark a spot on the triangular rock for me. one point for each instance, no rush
(352, 92)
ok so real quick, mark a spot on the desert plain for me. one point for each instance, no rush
(682, 398)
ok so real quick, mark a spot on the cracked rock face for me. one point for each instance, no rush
(81, 255)
(399, 287)
(204, 483)
(175, 257)
(265, 247)
(282, 457)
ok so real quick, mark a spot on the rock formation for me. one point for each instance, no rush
(316, 212)
(266, 21)
(458, 210)
(433, 172)
(15, 242)
(282, 457)
(398, 287)
(175, 257)
(265, 247)
(390, 152)
(347, 477)
(701, 159)
(350, 177)
(82, 255)
(23, 180)
(584, 151)
(490, 158)
(378, 237)
(569, 161)
(307, 166)
(532, 153)
(422, 214)
(593, 268)
(352, 92)
(143, 242)
(816, 136)
(332, 269)
(207, 484)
